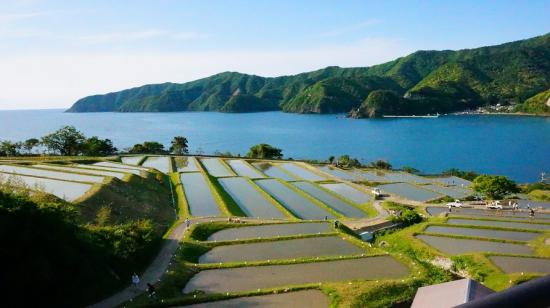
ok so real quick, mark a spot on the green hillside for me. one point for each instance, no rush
(430, 81)
(537, 104)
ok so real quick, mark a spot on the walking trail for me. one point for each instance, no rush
(158, 267)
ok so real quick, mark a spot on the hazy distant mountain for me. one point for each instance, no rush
(424, 81)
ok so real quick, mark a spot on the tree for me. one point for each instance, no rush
(30, 144)
(381, 164)
(65, 141)
(179, 145)
(265, 151)
(8, 148)
(410, 170)
(331, 159)
(148, 147)
(98, 147)
(467, 175)
(494, 186)
(348, 162)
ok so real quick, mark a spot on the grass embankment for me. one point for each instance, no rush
(134, 199)
(183, 206)
(280, 206)
(540, 195)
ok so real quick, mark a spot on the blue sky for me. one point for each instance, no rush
(54, 52)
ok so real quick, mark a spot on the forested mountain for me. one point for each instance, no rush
(425, 81)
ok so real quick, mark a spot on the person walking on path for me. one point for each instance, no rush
(187, 222)
(151, 290)
(135, 280)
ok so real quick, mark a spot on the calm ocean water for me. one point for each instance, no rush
(515, 146)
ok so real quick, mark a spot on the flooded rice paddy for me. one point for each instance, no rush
(198, 194)
(301, 172)
(249, 199)
(501, 224)
(274, 172)
(216, 167)
(410, 192)
(118, 175)
(266, 231)
(507, 214)
(340, 206)
(68, 191)
(488, 233)
(455, 246)
(348, 192)
(326, 246)
(292, 200)
(259, 277)
(132, 171)
(451, 191)
(186, 164)
(243, 169)
(452, 181)
(131, 160)
(161, 163)
(519, 264)
(341, 174)
(51, 174)
(121, 166)
(306, 298)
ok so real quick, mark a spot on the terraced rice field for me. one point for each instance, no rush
(68, 191)
(186, 164)
(451, 191)
(452, 181)
(243, 169)
(340, 206)
(301, 172)
(507, 214)
(341, 174)
(69, 169)
(216, 168)
(274, 172)
(533, 204)
(500, 224)
(455, 246)
(296, 203)
(58, 175)
(267, 231)
(97, 167)
(161, 163)
(327, 246)
(131, 160)
(372, 176)
(487, 233)
(348, 192)
(249, 199)
(406, 178)
(307, 298)
(121, 166)
(521, 264)
(261, 277)
(409, 191)
(199, 196)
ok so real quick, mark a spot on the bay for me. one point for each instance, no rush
(515, 146)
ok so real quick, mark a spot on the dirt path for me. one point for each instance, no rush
(359, 224)
(160, 264)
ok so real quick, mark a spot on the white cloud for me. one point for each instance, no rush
(113, 37)
(58, 79)
(12, 17)
(350, 28)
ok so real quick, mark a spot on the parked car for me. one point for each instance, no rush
(495, 205)
(456, 203)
